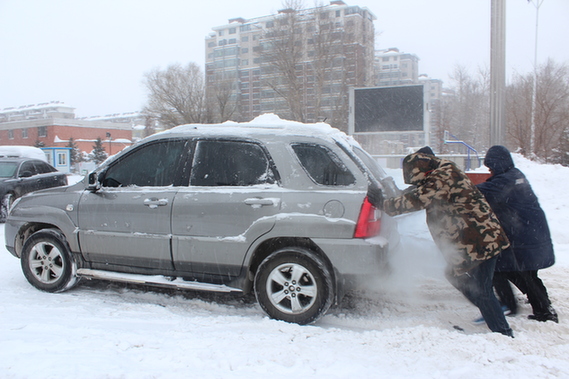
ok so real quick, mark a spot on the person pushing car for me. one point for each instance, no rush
(462, 224)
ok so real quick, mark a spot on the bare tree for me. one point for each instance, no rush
(551, 112)
(222, 100)
(466, 110)
(176, 95)
(310, 60)
(282, 53)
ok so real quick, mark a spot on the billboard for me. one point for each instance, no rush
(388, 109)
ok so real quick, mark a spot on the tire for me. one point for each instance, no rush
(47, 262)
(294, 285)
(5, 205)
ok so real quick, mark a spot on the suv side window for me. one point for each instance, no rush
(155, 164)
(230, 163)
(323, 165)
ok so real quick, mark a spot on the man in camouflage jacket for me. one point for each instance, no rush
(462, 225)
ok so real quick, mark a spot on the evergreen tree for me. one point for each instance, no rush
(75, 153)
(98, 154)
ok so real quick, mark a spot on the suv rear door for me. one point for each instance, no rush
(232, 195)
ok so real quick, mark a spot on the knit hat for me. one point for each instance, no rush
(498, 159)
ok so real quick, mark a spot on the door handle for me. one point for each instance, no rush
(155, 203)
(257, 202)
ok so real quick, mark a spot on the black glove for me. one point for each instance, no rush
(375, 196)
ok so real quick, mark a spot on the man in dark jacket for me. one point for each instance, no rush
(517, 207)
(462, 225)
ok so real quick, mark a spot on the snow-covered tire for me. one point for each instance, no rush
(47, 262)
(5, 205)
(294, 285)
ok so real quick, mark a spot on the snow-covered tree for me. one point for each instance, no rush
(75, 154)
(98, 154)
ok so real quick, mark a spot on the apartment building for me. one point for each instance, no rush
(393, 67)
(298, 64)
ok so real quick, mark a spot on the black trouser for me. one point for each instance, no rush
(476, 286)
(528, 283)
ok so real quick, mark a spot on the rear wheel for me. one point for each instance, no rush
(47, 262)
(294, 285)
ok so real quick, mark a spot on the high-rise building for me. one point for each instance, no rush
(298, 63)
(393, 67)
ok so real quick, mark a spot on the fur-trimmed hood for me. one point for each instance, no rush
(417, 166)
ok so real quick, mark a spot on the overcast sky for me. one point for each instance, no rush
(92, 54)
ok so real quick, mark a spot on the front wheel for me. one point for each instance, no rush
(294, 285)
(47, 262)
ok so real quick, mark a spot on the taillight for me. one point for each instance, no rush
(369, 221)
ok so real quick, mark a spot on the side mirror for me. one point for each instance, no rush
(26, 174)
(93, 183)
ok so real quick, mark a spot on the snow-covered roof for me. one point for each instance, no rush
(265, 126)
(22, 152)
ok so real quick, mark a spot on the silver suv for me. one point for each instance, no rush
(270, 206)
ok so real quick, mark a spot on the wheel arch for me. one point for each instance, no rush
(30, 228)
(269, 246)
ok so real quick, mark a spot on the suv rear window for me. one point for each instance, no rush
(323, 165)
(230, 163)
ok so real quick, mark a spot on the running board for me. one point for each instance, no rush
(157, 280)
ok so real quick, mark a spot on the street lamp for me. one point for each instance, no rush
(110, 139)
(536, 4)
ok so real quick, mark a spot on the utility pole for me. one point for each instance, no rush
(498, 72)
(537, 4)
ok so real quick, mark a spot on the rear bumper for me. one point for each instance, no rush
(355, 260)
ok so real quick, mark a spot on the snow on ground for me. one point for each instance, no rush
(404, 327)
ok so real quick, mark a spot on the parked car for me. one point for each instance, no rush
(270, 207)
(19, 176)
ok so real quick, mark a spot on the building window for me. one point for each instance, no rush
(220, 33)
(245, 39)
(61, 159)
(232, 40)
(270, 24)
(245, 62)
(42, 131)
(232, 30)
(10, 134)
(211, 44)
(244, 50)
(24, 133)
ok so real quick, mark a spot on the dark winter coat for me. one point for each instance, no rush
(460, 220)
(517, 207)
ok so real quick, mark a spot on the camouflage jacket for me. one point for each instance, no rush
(461, 222)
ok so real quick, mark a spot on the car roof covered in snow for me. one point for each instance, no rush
(264, 126)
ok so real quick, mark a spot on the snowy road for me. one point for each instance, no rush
(403, 329)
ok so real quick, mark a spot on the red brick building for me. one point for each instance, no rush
(54, 124)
